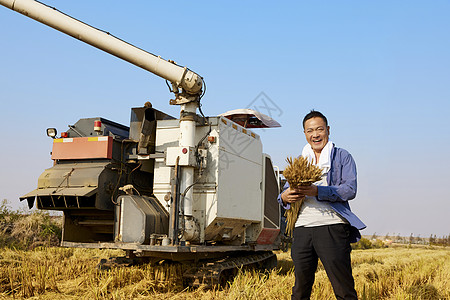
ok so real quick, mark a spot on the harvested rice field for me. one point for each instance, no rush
(66, 273)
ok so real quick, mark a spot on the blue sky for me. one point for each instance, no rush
(379, 70)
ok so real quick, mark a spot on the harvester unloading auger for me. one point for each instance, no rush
(190, 189)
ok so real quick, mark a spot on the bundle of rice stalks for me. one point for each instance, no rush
(299, 172)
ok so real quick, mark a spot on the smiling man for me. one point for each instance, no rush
(325, 226)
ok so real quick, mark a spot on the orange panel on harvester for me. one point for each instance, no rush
(82, 148)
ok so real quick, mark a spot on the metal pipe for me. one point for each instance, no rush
(187, 139)
(174, 217)
(183, 77)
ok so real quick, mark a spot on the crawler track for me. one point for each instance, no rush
(218, 272)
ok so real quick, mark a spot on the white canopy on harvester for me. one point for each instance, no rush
(250, 118)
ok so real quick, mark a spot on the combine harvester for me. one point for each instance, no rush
(159, 189)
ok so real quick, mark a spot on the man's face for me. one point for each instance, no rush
(316, 133)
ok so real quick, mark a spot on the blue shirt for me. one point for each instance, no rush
(341, 180)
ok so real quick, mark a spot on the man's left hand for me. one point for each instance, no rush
(309, 190)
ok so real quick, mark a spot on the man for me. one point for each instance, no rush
(325, 226)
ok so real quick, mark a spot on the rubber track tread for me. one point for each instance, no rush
(207, 273)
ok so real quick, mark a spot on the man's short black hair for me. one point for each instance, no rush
(314, 114)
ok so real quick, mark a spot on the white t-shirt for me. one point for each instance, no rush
(317, 213)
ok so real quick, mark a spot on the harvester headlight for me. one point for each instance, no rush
(51, 132)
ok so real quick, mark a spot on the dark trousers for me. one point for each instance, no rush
(330, 243)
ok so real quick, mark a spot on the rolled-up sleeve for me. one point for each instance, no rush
(345, 189)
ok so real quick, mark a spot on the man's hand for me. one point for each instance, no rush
(294, 195)
(308, 190)
(291, 195)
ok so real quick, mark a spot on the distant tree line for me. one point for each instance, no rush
(439, 241)
(433, 240)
